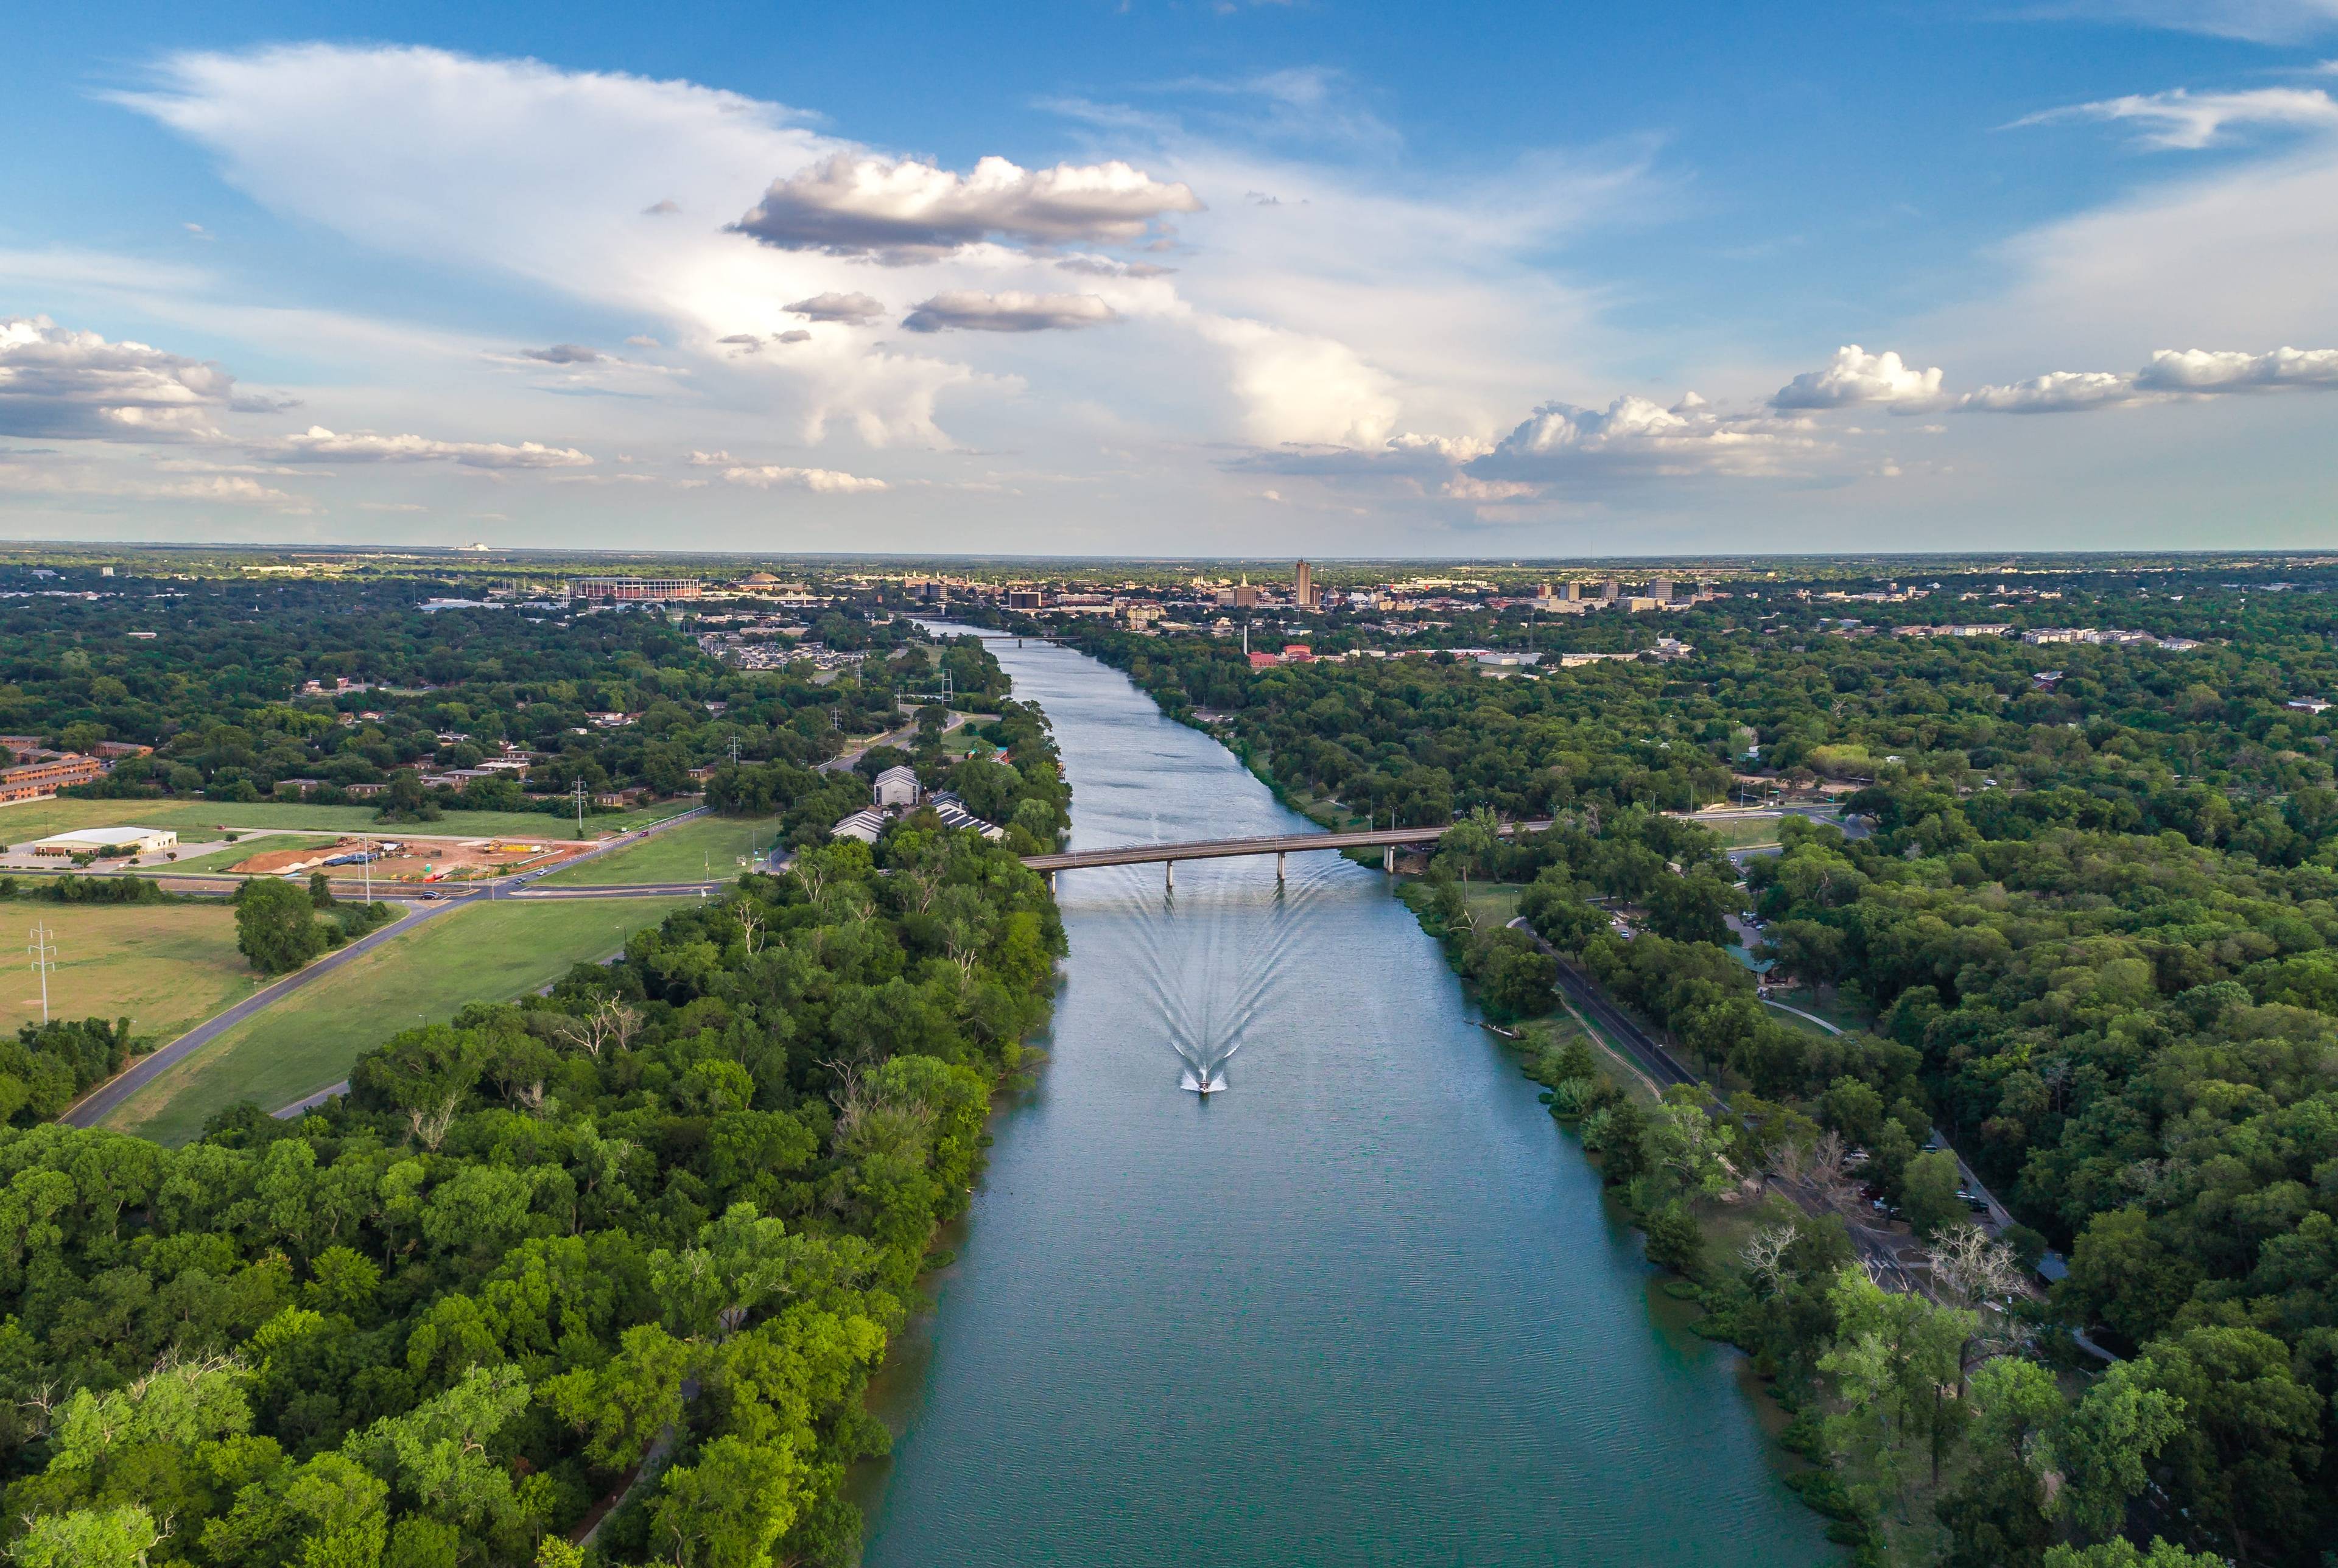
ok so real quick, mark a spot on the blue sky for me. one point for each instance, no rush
(1194, 279)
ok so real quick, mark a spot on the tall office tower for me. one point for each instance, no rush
(1661, 590)
(1573, 591)
(1302, 586)
(1611, 589)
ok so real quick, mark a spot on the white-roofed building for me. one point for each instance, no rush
(98, 840)
(865, 825)
(897, 786)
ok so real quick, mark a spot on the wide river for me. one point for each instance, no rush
(1365, 1307)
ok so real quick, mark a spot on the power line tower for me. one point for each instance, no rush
(44, 960)
(578, 792)
(734, 748)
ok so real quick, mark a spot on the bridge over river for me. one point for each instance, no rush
(1277, 845)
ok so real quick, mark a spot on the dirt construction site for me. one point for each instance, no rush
(415, 860)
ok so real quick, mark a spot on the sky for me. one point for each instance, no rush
(1123, 277)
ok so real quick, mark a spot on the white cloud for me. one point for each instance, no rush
(565, 354)
(1856, 378)
(319, 445)
(1297, 387)
(2203, 370)
(1634, 435)
(2055, 392)
(60, 384)
(854, 309)
(2187, 121)
(2258, 21)
(23, 479)
(2193, 373)
(820, 481)
(712, 459)
(900, 212)
(968, 310)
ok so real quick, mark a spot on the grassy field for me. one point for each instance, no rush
(1495, 904)
(487, 953)
(684, 854)
(197, 820)
(167, 965)
(237, 853)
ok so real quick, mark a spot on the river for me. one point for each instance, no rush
(1365, 1307)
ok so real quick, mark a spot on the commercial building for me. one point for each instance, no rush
(897, 786)
(1302, 587)
(107, 840)
(45, 773)
(634, 589)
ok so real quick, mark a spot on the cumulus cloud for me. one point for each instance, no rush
(859, 205)
(59, 383)
(852, 310)
(970, 311)
(793, 335)
(820, 481)
(2204, 370)
(319, 445)
(717, 459)
(1856, 378)
(1636, 435)
(2184, 121)
(565, 354)
(2170, 373)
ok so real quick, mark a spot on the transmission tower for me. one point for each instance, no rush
(44, 959)
(579, 793)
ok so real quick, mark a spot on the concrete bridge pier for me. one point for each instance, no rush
(1278, 858)
(1051, 883)
(1388, 858)
(1169, 875)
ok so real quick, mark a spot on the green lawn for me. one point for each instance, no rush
(237, 853)
(688, 853)
(486, 953)
(200, 819)
(166, 966)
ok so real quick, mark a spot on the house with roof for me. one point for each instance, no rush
(897, 786)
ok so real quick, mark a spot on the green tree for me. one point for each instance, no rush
(1928, 1192)
(1997, 1516)
(1556, 908)
(276, 925)
(118, 1537)
(727, 1510)
(1675, 1241)
(2104, 1442)
(2123, 1554)
(2249, 1433)
(321, 890)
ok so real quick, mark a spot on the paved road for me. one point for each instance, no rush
(93, 1107)
(1651, 1057)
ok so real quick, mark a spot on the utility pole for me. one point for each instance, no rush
(44, 958)
(365, 859)
(579, 793)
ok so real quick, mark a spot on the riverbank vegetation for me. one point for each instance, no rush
(2088, 920)
(614, 1263)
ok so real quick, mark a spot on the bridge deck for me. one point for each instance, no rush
(1220, 849)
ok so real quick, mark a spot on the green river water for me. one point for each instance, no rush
(1365, 1307)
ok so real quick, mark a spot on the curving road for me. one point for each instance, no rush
(420, 905)
(93, 1107)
